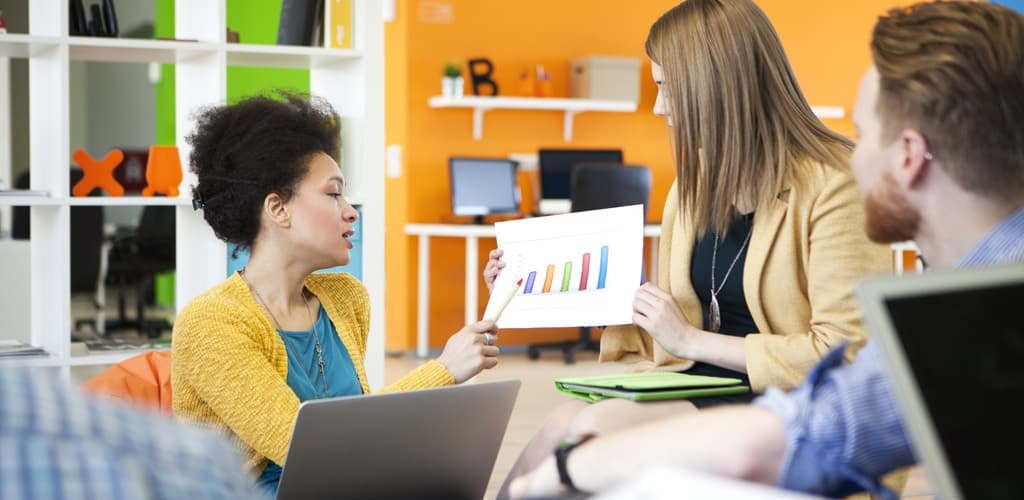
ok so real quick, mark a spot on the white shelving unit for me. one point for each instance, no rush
(350, 79)
(569, 106)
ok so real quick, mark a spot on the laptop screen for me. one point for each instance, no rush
(965, 349)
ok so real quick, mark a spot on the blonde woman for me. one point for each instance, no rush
(762, 237)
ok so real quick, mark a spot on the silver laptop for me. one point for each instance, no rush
(953, 343)
(431, 443)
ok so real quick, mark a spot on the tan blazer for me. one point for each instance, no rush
(807, 251)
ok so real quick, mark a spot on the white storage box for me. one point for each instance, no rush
(605, 77)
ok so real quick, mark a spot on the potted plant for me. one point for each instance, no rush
(451, 82)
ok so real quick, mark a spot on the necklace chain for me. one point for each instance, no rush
(715, 319)
(727, 271)
(316, 336)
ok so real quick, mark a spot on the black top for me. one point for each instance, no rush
(736, 318)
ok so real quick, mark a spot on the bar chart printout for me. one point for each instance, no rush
(578, 269)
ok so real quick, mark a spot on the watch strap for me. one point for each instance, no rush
(562, 458)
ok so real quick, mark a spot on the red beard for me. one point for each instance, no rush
(890, 218)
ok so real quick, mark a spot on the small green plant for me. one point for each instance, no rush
(452, 70)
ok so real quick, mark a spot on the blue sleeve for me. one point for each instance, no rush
(843, 427)
(68, 445)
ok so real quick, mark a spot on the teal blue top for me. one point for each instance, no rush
(304, 375)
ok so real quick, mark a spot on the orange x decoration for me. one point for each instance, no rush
(98, 174)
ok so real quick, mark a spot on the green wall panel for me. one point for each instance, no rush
(256, 22)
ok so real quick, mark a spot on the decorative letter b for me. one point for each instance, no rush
(483, 77)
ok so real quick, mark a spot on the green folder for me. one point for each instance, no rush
(650, 386)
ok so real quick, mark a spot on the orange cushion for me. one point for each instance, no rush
(143, 380)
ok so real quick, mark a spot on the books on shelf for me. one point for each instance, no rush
(300, 23)
(16, 348)
(316, 22)
(338, 24)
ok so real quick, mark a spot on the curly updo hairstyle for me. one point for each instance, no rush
(260, 145)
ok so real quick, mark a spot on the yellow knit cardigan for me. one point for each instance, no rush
(807, 251)
(229, 366)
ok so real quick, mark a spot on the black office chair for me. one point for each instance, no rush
(136, 258)
(596, 186)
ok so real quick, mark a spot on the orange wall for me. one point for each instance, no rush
(826, 41)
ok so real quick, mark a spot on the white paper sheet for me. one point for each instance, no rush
(607, 243)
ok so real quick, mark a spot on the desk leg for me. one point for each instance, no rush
(653, 252)
(423, 298)
(472, 268)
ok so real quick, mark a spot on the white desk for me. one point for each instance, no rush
(472, 234)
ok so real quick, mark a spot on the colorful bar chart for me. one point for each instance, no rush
(577, 269)
(567, 276)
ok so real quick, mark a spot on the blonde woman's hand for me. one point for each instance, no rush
(471, 350)
(493, 267)
(657, 312)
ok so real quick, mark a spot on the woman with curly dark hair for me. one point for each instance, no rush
(247, 352)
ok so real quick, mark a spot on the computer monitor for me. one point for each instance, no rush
(483, 186)
(556, 174)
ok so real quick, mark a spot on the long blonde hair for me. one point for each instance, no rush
(740, 121)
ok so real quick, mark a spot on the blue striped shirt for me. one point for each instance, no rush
(843, 426)
(56, 443)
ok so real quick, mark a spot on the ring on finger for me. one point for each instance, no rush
(490, 338)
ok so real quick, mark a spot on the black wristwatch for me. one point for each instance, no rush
(562, 457)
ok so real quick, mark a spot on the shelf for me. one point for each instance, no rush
(107, 201)
(570, 108)
(94, 358)
(106, 357)
(131, 201)
(286, 56)
(28, 201)
(23, 46)
(135, 50)
(49, 360)
(129, 50)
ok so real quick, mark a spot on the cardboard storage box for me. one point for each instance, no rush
(605, 77)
